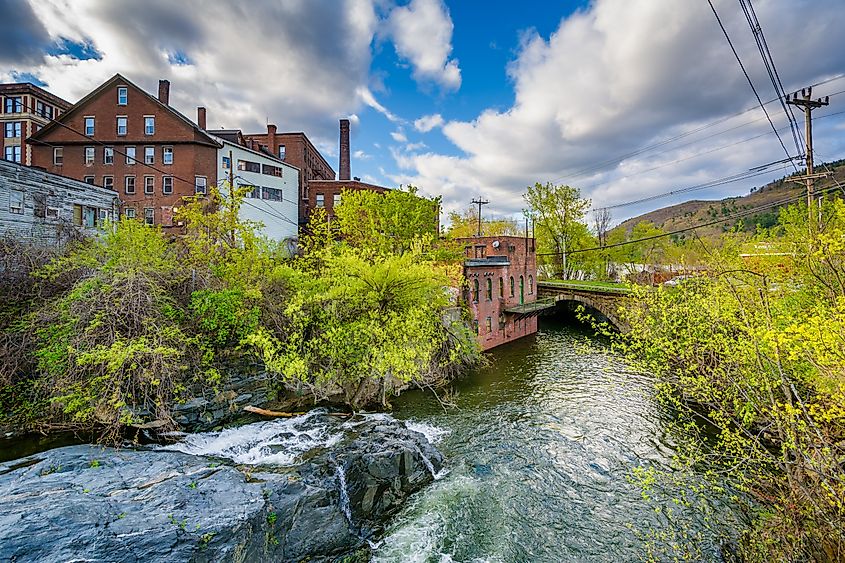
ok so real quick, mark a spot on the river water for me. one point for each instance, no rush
(540, 453)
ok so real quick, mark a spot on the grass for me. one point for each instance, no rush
(590, 284)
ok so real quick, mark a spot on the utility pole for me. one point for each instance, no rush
(806, 102)
(479, 202)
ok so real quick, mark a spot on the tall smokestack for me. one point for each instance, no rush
(201, 117)
(164, 92)
(344, 150)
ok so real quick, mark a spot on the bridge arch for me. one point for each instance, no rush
(604, 302)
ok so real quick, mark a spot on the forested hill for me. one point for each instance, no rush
(697, 212)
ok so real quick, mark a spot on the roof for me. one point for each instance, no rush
(296, 134)
(29, 87)
(270, 156)
(67, 182)
(119, 78)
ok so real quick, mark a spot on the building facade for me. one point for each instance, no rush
(24, 110)
(326, 194)
(48, 209)
(297, 150)
(124, 139)
(273, 200)
(501, 276)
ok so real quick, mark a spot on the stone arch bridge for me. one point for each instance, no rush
(601, 297)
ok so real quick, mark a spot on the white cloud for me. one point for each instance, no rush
(410, 147)
(428, 122)
(399, 136)
(422, 34)
(361, 155)
(367, 97)
(622, 74)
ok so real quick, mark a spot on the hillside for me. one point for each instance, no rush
(697, 212)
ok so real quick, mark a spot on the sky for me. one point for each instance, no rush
(624, 99)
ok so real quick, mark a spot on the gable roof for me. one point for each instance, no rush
(118, 79)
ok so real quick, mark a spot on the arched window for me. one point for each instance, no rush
(521, 290)
(501, 288)
(489, 289)
(475, 291)
(530, 285)
(511, 286)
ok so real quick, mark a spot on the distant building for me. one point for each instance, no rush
(327, 193)
(24, 109)
(122, 138)
(273, 200)
(501, 273)
(48, 209)
(295, 149)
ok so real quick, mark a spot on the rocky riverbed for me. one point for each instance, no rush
(314, 487)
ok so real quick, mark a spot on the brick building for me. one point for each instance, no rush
(501, 273)
(297, 150)
(326, 193)
(24, 109)
(122, 138)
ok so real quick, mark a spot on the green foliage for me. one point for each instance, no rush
(463, 225)
(754, 350)
(226, 316)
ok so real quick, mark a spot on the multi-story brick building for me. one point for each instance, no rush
(122, 138)
(295, 149)
(24, 109)
(501, 273)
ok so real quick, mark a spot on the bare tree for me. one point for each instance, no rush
(601, 221)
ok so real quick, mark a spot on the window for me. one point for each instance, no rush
(88, 180)
(511, 286)
(13, 154)
(16, 202)
(89, 126)
(121, 125)
(149, 155)
(130, 155)
(489, 324)
(335, 200)
(77, 215)
(14, 104)
(475, 325)
(271, 170)
(249, 166)
(167, 185)
(51, 213)
(108, 182)
(129, 212)
(320, 200)
(149, 216)
(489, 289)
(108, 155)
(149, 184)
(89, 156)
(104, 216)
(501, 288)
(129, 185)
(122, 95)
(13, 130)
(227, 163)
(44, 110)
(149, 125)
(521, 289)
(270, 194)
(281, 152)
(530, 285)
(167, 155)
(475, 291)
(58, 156)
(199, 185)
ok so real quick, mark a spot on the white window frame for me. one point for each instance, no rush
(149, 182)
(91, 177)
(131, 156)
(200, 181)
(58, 156)
(93, 125)
(147, 130)
(126, 185)
(16, 202)
(320, 200)
(106, 184)
(122, 92)
(152, 219)
(108, 155)
(149, 155)
(14, 151)
(129, 212)
(167, 185)
(89, 154)
(164, 152)
(125, 125)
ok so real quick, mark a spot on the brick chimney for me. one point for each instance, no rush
(271, 138)
(201, 117)
(344, 150)
(164, 92)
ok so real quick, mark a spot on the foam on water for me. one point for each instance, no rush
(277, 442)
(432, 433)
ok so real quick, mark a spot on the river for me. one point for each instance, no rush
(541, 450)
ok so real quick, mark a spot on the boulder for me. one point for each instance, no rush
(155, 505)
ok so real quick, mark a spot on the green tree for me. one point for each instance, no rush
(465, 224)
(559, 212)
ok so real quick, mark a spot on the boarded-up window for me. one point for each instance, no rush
(39, 204)
(167, 215)
(77, 215)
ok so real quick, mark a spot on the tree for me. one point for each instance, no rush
(465, 224)
(559, 213)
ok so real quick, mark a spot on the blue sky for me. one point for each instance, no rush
(467, 98)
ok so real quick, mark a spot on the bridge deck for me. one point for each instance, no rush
(589, 287)
(533, 307)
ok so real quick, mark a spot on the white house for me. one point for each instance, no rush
(274, 199)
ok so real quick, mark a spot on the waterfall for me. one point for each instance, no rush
(344, 495)
(427, 462)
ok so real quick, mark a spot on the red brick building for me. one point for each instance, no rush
(501, 273)
(24, 109)
(122, 138)
(326, 193)
(297, 150)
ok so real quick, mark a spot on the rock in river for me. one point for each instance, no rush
(313, 487)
